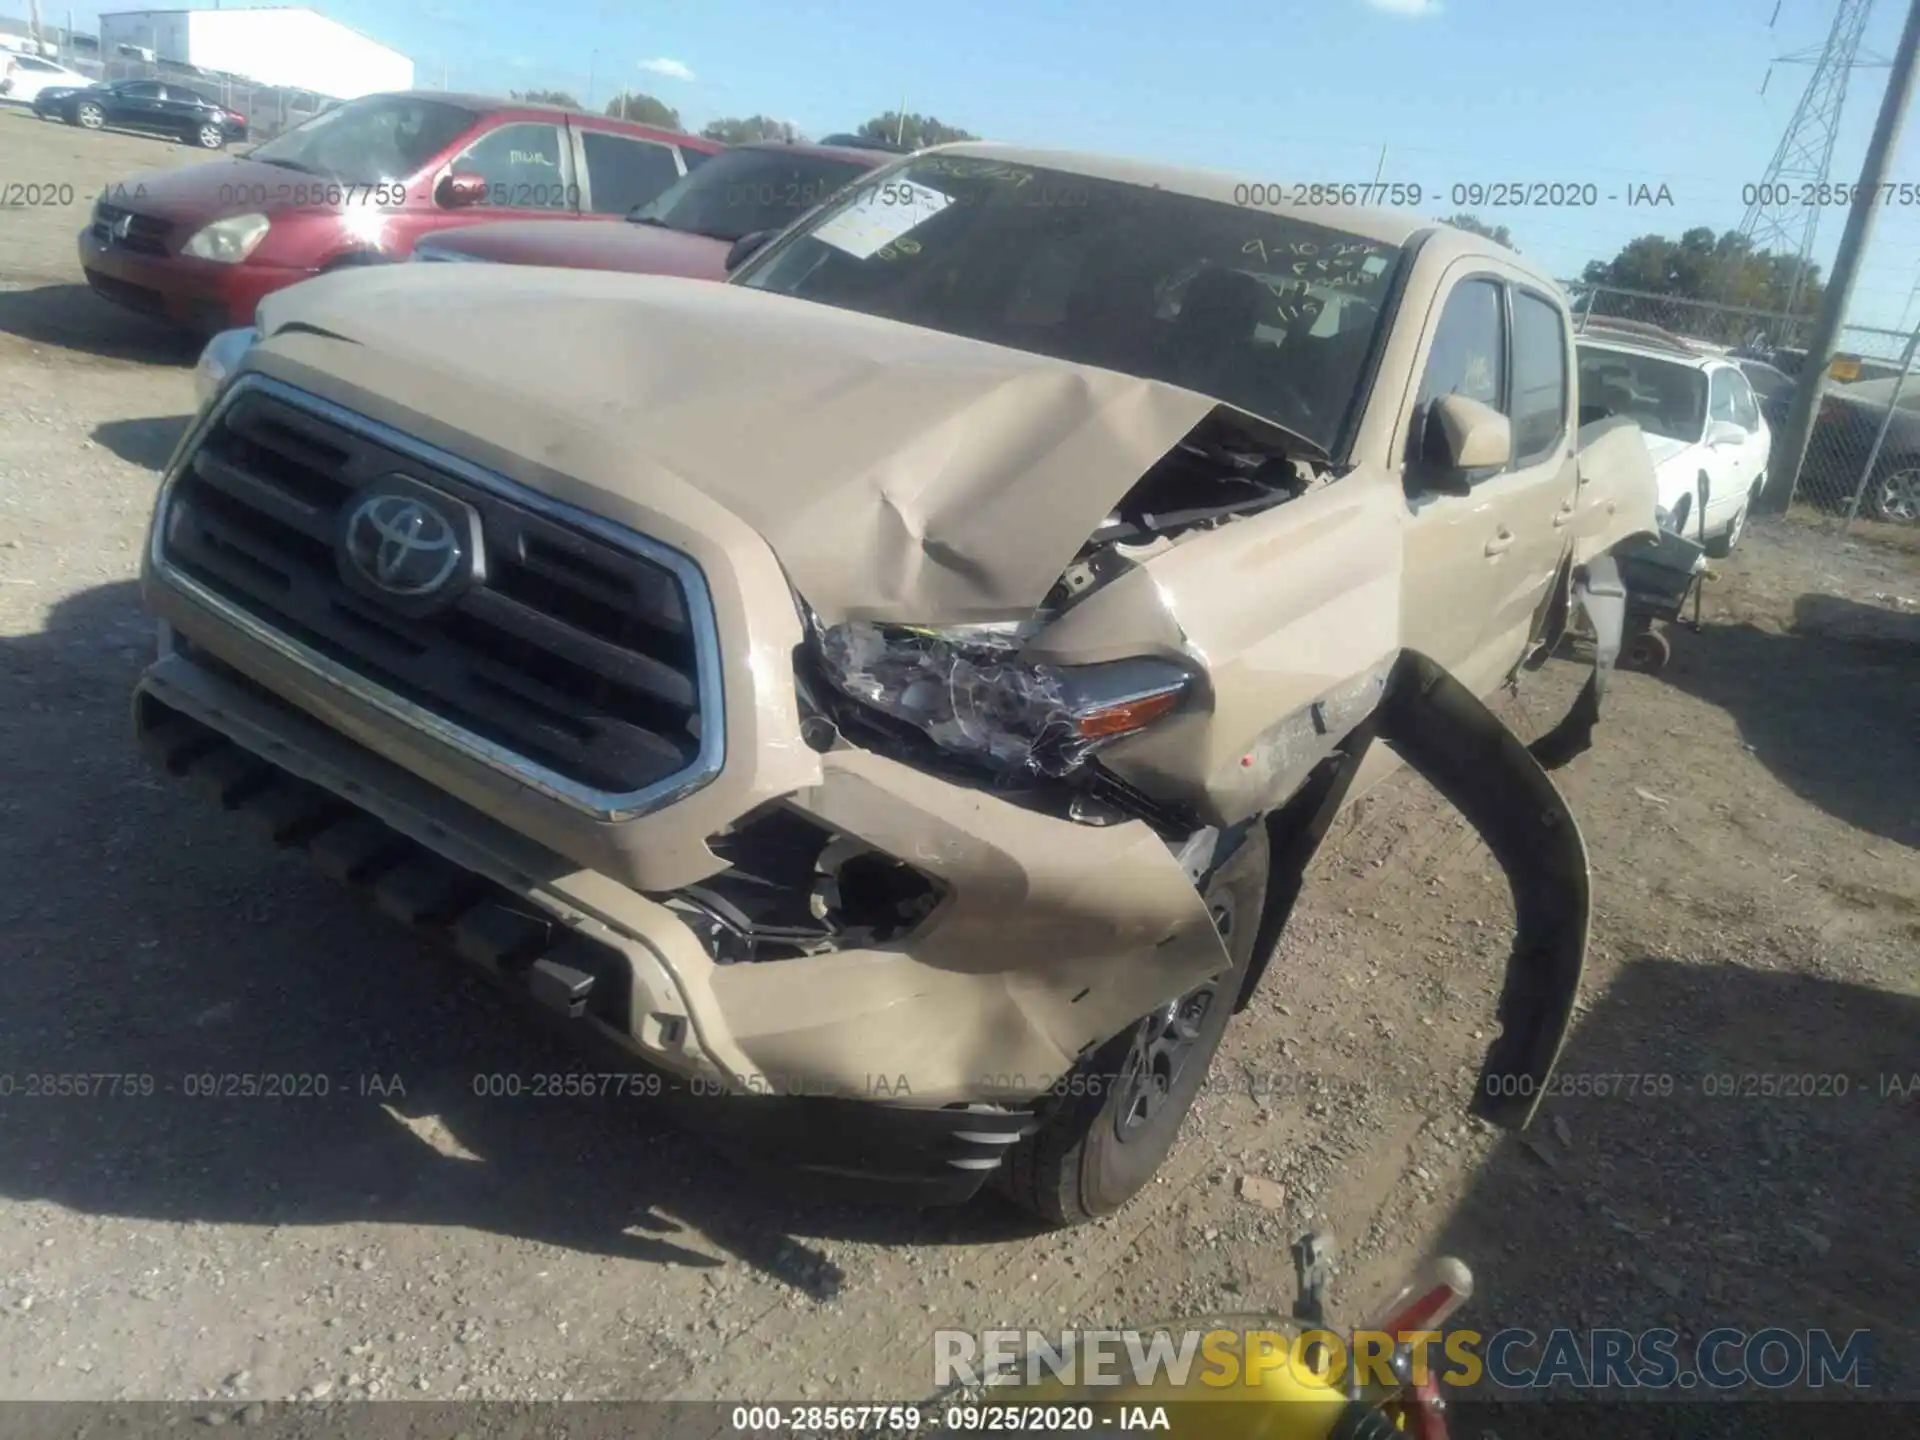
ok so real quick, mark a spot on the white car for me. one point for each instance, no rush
(1700, 419)
(22, 77)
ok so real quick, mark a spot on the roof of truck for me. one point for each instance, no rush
(1390, 227)
(1395, 227)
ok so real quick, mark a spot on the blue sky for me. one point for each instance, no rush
(1620, 94)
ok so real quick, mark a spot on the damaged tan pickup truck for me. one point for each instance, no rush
(900, 690)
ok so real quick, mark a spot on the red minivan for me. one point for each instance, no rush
(358, 184)
(754, 189)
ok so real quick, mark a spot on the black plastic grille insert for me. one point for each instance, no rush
(573, 653)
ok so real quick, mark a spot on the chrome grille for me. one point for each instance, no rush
(583, 654)
(145, 234)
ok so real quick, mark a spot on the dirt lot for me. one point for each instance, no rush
(1753, 816)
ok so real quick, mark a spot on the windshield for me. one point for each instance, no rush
(382, 137)
(1265, 311)
(1764, 378)
(740, 191)
(1665, 398)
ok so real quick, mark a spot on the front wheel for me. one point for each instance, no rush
(90, 116)
(1095, 1150)
(1722, 544)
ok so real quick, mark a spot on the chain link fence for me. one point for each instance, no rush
(270, 109)
(1863, 457)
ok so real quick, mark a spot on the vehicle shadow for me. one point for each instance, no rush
(72, 317)
(148, 443)
(1739, 1170)
(148, 936)
(1830, 707)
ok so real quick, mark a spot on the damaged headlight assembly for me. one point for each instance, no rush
(219, 360)
(965, 688)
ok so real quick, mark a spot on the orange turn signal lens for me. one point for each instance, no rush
(1123, 717)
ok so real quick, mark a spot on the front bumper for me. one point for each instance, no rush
(606, 988)
(1051, 937)
(197, 293)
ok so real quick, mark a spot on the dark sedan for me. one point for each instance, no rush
(1850, 416)
(1773, 388)
(163, 107)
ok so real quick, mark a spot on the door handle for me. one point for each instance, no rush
(1501, 542)
(1563, 516)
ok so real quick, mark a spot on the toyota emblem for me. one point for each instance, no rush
(404, 546)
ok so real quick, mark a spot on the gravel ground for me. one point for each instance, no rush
(1753, 815)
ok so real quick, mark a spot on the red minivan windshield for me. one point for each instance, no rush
(362, 142)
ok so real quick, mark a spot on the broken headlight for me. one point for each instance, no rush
(968, 691)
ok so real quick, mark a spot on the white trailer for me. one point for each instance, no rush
(290, 46)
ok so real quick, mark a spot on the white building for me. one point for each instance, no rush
(294, 47)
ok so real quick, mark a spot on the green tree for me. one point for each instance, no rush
(546, 97)
(914, 131)
(731, 130)
(1721, 269)
(643, 110)
(1474, 225)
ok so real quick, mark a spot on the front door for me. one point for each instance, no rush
(136, 106)
(1732, 462)
(1478, 564)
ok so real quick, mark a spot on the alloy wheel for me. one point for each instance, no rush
(1164, 1043)
(210, 137)
(1897, 496)
(92, 117)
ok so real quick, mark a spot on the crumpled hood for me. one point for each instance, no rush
(896, 472)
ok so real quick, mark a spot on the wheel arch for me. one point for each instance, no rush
(1487, 774)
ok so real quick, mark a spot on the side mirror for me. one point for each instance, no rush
(459, 190)
(1465, 435)
(1724, 432)
(748, 246)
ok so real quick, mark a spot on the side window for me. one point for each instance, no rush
(145, 90)
(1720, 403)
(623, 172)
(1746, 409)
(1468, 355)
(521, 164)
(1539, 377)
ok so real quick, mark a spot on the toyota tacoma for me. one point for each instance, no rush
(900, 690)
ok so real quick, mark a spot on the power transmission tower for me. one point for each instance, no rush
(1776, 220)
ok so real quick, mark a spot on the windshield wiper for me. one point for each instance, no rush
(634, 217)
(289, 165)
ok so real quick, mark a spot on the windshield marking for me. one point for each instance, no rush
(877, 217)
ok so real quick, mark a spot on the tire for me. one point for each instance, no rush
(89, 116)
(1893, 495)
(1095, 1151)
(1721, 545)
(1647, 652)
(210, 137)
